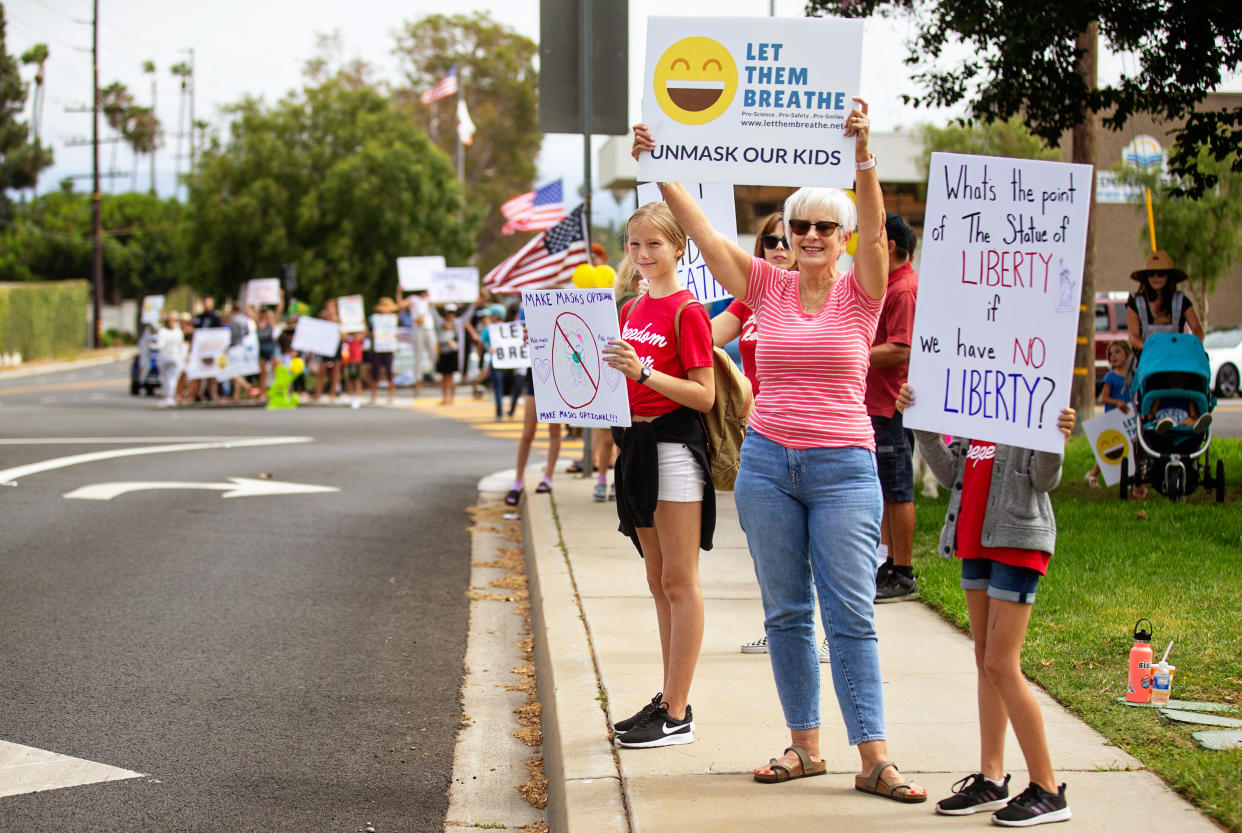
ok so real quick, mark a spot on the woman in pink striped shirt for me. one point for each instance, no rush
(807, 493)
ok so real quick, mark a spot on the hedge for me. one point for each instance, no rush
(44, 319)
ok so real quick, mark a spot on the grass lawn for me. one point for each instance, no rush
(1179, 565)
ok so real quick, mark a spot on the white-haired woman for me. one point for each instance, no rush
(807, 493)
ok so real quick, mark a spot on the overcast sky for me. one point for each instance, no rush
(258, 47)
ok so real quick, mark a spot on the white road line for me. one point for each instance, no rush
(113, 440)
(25, 769)
(14, 474)
(237, 487)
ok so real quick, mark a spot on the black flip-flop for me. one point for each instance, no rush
(512, 498)
(543, 488)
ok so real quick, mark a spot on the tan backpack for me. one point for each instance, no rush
(725, 422)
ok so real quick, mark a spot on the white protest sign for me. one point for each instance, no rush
(152, 308)
(508, 346)
(384, 332)
(454, 285)
(992, 355)
(568, 330)
(716, 200)
(414, 273)
(1111, 437)
(208, 353)
(241, 360)
(263, 292)
(756, 100)
(350, 310)
(314, 335)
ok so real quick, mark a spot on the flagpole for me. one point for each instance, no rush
(585, 52)
(461, 146)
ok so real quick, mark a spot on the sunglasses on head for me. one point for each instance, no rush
(803, 226)
(771, 241)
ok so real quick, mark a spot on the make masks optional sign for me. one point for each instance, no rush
(759, 101)
(992, 355)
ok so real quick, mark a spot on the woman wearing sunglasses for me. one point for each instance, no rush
(807, 493)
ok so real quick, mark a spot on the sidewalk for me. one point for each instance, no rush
(596, 644)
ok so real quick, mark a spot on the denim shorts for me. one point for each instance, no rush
(681, 476)
(894, 451)
(1002, 581)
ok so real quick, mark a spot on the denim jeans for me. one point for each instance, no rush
(814, 514)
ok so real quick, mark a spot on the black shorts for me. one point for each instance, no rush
(353, 370)
(894, 449)
(447, 363)
(378, 361)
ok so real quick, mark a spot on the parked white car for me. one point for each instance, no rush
(1224, 349)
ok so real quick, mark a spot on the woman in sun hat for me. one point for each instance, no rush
(1159, 306)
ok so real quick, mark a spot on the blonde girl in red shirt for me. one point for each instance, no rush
(664, 498)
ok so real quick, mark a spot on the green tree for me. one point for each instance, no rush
(50, 239)
(999, 138)
(21, 158)
(1027, 63)
(333, 179)
(1203, 236)
(496, 68)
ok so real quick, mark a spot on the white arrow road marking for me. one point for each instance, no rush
(24, 769)
(13, 474)
(239, 487)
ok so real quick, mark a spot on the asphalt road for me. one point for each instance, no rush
(275, 663)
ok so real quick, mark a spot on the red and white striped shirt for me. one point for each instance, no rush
(814, 367)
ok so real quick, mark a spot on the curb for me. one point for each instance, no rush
(585, 791)
(33, 368)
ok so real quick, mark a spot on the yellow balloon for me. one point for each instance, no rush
(584, 276)
(851, 248)
(604, 276)
(296, 366)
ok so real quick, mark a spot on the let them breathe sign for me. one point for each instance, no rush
(992, 355)
(759, 101)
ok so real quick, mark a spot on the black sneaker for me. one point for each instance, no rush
(974, 794)
(897, 587)
(645, 712)
(660, 729)
(1034, 805)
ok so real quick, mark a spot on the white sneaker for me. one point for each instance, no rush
(759, 646)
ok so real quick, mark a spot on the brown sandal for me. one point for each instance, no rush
(780, 773)
(899, 791)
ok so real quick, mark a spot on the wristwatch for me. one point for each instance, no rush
(643, 375)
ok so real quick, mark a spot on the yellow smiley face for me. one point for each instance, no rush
(1112, 446)
(695, 80)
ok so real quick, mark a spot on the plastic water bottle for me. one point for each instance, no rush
(1138, 686)
(1161, 683)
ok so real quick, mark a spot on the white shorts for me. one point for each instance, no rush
(681, 476)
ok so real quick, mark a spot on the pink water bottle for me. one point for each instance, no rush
(1138, 687)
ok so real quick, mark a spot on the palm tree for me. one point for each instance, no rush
(36, 55)
(183, 71)
(116, 101)
(149, 68)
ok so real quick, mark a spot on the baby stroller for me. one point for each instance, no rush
(1174, 369)
(144, 372)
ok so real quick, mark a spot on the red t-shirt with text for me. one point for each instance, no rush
(648, 327)
(746, 341)
(976, 481)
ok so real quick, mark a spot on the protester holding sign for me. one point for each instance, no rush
(664, 500)
(1000, 524)
(815, 331)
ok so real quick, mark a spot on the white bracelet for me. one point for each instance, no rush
(865, 166)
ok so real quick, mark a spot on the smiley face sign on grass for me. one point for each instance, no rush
(758, 101)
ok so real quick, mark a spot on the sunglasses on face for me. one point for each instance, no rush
(771, 241)
(824, 227)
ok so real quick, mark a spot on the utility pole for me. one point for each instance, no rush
(96, 221)
(193, 84)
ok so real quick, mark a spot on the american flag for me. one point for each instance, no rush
(535, 210)
(547, 261)
(444, 88)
